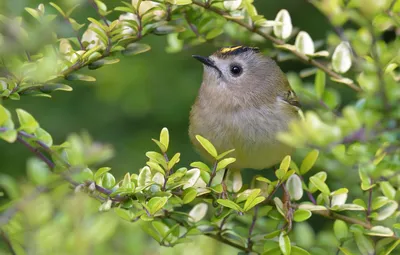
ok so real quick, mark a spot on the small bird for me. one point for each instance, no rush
(244, 101)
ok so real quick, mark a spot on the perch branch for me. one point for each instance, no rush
(277, 41)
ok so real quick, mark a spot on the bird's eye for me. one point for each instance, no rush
(236, 70)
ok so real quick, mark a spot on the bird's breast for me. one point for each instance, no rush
(250, 131)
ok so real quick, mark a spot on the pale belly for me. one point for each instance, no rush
(251, 133)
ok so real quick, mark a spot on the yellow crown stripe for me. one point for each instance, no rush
(227, 50)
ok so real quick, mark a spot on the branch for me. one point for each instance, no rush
(8, 242)
(225, 241)
(277, 41)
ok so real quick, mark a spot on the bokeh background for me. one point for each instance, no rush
(133, 100)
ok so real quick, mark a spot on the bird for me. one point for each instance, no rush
(243, 102)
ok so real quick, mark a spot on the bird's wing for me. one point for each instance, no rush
(290, 97)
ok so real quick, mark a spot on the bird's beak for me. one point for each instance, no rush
(205, 60)
(208, 62)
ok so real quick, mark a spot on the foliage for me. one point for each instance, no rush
(175, 203)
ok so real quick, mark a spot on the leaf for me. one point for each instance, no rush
(79, 77)
(341, 230)
(285, 163)
(387, 189)
(164, 138)
(58, 8)
(309, 161)
(214, 33)
(311, 207)
(48, 88)
(379, 231)
(222, 155)
(294, 186)
(156, 203)
(168, 29)
(301, 215)
(284, 243)
(320, 79)
(201, 166)
(391, 248)
(364, 244)
(229, 204)
(108, 181)
(191, 178)
(100, 172)
(198, 212)
(123, 213)
(251, 203)
(304, 43)
(321, 186)
(207, 145)
(174, 160)
(158, 158)
(135, 49)
(189, 195)
(299, 251)
(341, 58)
(37, 171)
(155, 166)
(27, 121)
(283, 28)
(224, 163)
(3, 115)
(144, 177)
(9, 135)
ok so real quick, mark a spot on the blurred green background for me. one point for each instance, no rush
(133, 100)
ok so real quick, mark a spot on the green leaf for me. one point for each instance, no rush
(224, 163)
(198, 212)
(123, 213)
(158, 158)
(160, 145)
(214, 33)
(100, 172)
(391, 248)
(379, 231)
(58, 8)
(299, 251)
(168, 29)
(345, 251)
(294, 186)
(207, 145)
(164, 138)
(320, 79)
(341, 230)
(222, 155)
(189, 195)
(387, 189)
(161, 228)
(364, 244)
(285, 164)
(191, 178)
(27, 122)
(309, 161)
(156, 167)
(9, 135)
(284, 243)
(321, 186)
(174, 160)
(9, 185)
(108, 181)
(135, 49)
(201, 166)
(301, 215)
(50, 87)
(156, 203)
(229, 204)
(144, 177)
(80, 77)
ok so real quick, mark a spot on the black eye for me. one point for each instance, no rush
(236, 70)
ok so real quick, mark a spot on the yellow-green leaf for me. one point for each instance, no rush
(207, 145)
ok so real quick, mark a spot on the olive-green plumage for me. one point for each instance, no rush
(243, 102)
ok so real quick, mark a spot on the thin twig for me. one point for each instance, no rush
(230, 243)
(277, 41)
(251, 229)
(369, 209)
(36, 151)
(213, 173)
(8, 242)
